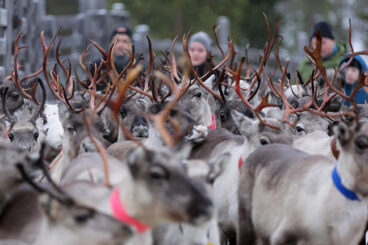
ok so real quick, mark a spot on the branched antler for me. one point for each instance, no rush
(14, 75)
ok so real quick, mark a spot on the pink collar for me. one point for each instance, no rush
(213, 123)
(240, 162)
(120, 213)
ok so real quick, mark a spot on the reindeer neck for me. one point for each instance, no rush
(56, 235)
(59, 167)
(351, 175)
(154, 137)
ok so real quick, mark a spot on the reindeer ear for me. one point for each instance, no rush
(344, 130)
(142, 105)
(183, 150)
(217, 167)
(137, 159)
(209, 81)
(46, 204)
(246, 125)
(62, 110)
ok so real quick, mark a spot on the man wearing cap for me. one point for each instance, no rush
(122, 37)
(331, 50)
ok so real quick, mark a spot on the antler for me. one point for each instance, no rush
(14, 74)
(60, 194)
(42, 104)
(11, 118)
(316, 58)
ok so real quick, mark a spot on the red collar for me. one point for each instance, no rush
(240, 162)
(120, 213)
(213, 123)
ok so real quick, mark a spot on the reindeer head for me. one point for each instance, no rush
(80, 224)
(260, 134)
(164, 189)
(132, 117)
(205, 173)
(308, 122)
(75, 139)
(14, 98)
(24, 132)
(352, 140)
(196, 100)
(225, 118)
(69, 218)
(10, 157)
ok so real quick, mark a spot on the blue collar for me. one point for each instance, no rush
(351, 195)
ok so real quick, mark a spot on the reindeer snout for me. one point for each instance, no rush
(87, 146)
(140, 127)
(201, 211)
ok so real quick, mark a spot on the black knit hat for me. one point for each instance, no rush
(324, 28)
(356, 64)
(123, 29)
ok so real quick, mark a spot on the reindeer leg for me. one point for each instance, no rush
(246, 234)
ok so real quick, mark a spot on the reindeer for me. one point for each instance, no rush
(60, 217)
(203, 174)
(280, 172)
(24, 132)
(14, 99)
(75, 138)
(152, 185)
(10, 156)
(132, 116)
(224, 118)
(220, 141)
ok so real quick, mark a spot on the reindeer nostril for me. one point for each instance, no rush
(11, 137)
(222, 117)
(85, 147)
(263, 142)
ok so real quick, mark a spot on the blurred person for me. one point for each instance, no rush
(352, 76)
(199, 51)
(122, 37)
(331, 50)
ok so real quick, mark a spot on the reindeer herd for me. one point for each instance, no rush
(163, 156)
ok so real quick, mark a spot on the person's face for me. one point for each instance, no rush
(327, 46)
(352, 74)
(198, 53)
(123, 44)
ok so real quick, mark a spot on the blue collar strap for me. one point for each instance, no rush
(351, 195)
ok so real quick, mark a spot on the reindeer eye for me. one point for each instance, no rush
(35, 136)
(223, 117)
(14, 96)
(11, 137)
(158, 173)
(83, 217)
(299, 129)
(123, 113)
(361, 142)
(71, 129)
(198, 94)
(263, 141)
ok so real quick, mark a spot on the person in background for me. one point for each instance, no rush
(352, 75)
(331, 50)
(199, 50)
(122, 37)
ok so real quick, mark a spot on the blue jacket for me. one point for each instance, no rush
(361, 97)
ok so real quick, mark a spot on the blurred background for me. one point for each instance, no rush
(162, 20)
(166, 18)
